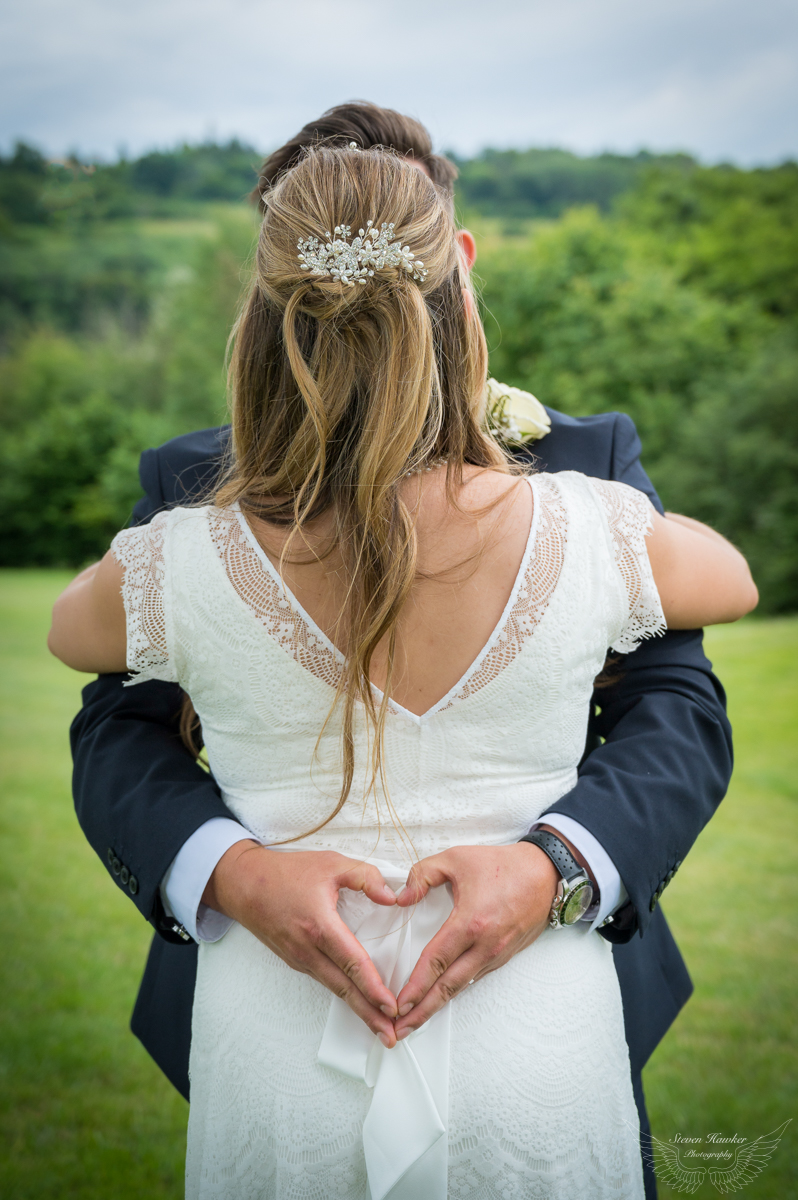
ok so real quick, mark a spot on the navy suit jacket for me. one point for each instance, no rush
(657, 764)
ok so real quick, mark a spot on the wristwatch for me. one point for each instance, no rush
(574, 891)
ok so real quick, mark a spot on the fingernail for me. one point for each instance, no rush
(386, 1041)
(405, 1009)
(389, 1012)
(401, 891)
(405, 1033)
(389, 892)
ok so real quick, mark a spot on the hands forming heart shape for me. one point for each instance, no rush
(502, 899)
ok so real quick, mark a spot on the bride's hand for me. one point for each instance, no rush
(288, 901)
(502, 901)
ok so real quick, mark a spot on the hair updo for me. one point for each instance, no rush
(398, 194)
(340, 391)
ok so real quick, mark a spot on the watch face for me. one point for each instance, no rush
(577, 903)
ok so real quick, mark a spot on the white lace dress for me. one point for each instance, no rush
(520, 1087)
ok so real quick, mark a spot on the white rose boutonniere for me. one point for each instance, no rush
(513, 416)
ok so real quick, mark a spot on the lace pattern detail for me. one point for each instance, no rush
(628, 512)
(140, 551)
(261, 592)
(540, 577)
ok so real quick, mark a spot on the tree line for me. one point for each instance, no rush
(650, 285)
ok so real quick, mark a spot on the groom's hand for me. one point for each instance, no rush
(502, 901)
(288, 901)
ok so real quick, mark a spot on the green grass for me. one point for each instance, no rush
(83, 1111)
(730, 1062)
(85, 1114)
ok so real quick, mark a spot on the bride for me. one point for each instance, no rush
(390, 636)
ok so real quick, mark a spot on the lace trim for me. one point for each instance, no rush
(628, 512)
(265, 599)
(536, 589)
(261, 592)
(140, 552)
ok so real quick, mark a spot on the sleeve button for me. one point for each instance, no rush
(654, 901)
(124, 876)
(133, 885)
(116, 865)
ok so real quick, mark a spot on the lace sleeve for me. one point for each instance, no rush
(628, 513)
(140, 551)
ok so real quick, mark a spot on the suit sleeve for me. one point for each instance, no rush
(625, 464)
(152, 501)
(647, 790)
(139, 795)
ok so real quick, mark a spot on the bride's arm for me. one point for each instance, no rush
(88, 629)
(701, 578)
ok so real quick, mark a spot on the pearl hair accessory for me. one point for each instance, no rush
(430, 465)
(372, 250)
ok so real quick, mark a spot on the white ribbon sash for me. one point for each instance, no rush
(404, 1133)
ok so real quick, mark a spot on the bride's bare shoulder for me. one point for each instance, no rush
(480, 484)
(480, 487)
(485, 504)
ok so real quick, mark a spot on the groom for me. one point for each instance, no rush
(657, 763)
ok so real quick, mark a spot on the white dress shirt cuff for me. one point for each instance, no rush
(185, 881)
(612, 893)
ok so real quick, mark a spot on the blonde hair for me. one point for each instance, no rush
(338, 392)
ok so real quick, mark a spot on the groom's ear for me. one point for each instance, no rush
(468, 247)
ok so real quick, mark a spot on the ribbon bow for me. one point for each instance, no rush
(404, 1133)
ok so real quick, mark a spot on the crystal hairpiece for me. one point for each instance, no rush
(372, 250)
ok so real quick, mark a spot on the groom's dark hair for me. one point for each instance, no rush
(367, 125)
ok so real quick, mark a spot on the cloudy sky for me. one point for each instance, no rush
(715, 77)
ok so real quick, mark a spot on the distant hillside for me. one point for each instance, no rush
(38, 191)
(544, 183)
(119, 284)
(506, 183)
(77, 242)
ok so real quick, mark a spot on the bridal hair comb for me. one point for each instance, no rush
(353, 262)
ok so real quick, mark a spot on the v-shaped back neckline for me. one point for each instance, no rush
(319, 634)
